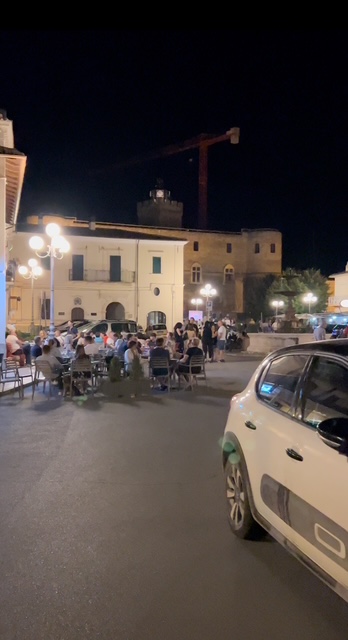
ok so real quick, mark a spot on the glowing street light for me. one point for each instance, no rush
(31, 272)
(278, 304)
(309, 298)
(56, 249)
(197, 302)
(208, 292)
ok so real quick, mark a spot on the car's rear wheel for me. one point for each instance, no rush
(240, 517)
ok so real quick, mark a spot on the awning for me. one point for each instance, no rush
(14, 170)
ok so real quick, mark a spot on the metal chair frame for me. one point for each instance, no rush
(82, 366)
(160, 363)
(47, 375)
(195, 361)
(9, 374)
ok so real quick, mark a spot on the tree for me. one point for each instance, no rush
(301, 282)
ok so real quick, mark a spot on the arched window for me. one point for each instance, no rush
(228, 273)
(196, 273)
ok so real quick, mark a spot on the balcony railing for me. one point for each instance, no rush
(102, 275)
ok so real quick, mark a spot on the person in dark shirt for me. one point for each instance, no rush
(36, 349)
(159, 351)
(207, 341)
(184, 364)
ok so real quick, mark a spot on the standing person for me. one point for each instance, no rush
(319, 332)
(221, 340)
(179, 337)
(207, 341)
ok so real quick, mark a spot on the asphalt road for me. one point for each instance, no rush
(113, 527)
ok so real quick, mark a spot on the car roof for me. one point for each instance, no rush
(338, 346)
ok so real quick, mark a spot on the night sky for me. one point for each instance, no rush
(82, 101)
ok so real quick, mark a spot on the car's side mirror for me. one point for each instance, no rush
(334, 433)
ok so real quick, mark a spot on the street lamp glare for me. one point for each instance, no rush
(61, 243)
(52, 229)
(32, 263)
(37, 271)
(23, 270)
(36, 243)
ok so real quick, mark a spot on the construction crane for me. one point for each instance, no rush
(201, 142)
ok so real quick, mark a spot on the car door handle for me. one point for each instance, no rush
(250, 425)
(293, 454)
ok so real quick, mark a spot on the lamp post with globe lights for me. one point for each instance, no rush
(55, 249)
(31, 272)
(309, 298)
(208, 292)
(278, 304)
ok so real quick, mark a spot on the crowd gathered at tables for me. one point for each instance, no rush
(206, 339)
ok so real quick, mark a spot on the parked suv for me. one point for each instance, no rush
(285, 456)
(117, 326)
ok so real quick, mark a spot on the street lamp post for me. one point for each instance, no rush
(208, 292)
(196, 302)
(277, 304)
(56, 249)
(309, 298)
(31, 272)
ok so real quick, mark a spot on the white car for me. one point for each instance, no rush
(285, 456)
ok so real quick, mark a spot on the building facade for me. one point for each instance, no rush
(109, 273)
(224, 260)
(339, 292)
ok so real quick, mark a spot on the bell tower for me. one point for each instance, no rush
(160, 210)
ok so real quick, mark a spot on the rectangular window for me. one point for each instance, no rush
(45, 309)
(77, 267)
(115, 268)
(278, 386)
(156, 265)
(228, 247)
(196, 246)
(272, 247)
(46, 263)
(257, 247)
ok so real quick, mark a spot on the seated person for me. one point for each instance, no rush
(36, 349)
(159, 351)
(183, 367)
(91, 347)
(15, 348)
(55, 351)
(99, 338)
(55, 365)
(80, 383)
(130, 354)
(122, 346)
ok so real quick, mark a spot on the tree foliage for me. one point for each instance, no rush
(301, 283)
(259, 293)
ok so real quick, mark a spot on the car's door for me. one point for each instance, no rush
(317, 476)
(268, 430)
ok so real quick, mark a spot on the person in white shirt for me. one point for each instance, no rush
(130, 354)
(54, 350)
(91, 347)
(221, 340)
(319, 332)
(59, 337)
(55, 365)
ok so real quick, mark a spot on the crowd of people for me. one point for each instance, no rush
(178, 346)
